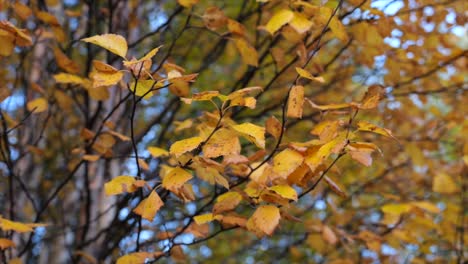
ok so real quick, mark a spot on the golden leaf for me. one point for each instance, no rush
(6, 243)
(175, 179)
(296, 102)
(366, 126)
(253, 133)
(443, 183)
(279, 19)
(273, 127)
(37, 105)
(111, 42)
(120, 184)
(248, 53)
(149, 206)
(285, 191)
(286, 162)
(266, 218)
(158, 152)
(300, 23)
(187, 3)
(305, 74)
(226, 202)
(185, 145)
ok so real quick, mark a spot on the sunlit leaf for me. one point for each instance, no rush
(444, 183)
(149, 206)
(253, 133)
(279, 19)
(176, 178)
(185, 145)
(266, 218)
(285, 191)
(38, 105)
(111, 42)
(120, 185)
(295, 102)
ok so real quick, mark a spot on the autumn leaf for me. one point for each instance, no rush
(279, 19)
(444, 183)
(366, 126)
(305, 74)
(120, 185)
(266, 218)
(295, 102)
(111, 42)
(38, 105)
(158, 152)
(149, 206)
(286, 162)
(248, 53)
(285, 191)
(175, 179)
(183, 146)
(6, 243)
(253, 133)
(226, 202)
(135, 258)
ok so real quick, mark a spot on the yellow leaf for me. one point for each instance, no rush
(235, 27)
(305, 74)
(253, 133)
(135, 258)
(15, 261)
(20, 35)
(339, 30)
(286, 162)
(314, 159)
(203, 96)
(6, 243)
(120, 184)
(273, 127)
(300, 23)
(175, 179)
(149, 206)
(328, 235)
(182, 146)
(296, 102)
(224, 142)
(243, 92)
(366, 126)
(371, 99)
(144, 88)
(90, 259)
(203, 219)
(148, 56)
(22, 10)
(111, 42)
(158, 152)
(266, 218)
(226, 202)
(278, 20)
(248, 53)
(443, 183)
(187, 3)
(64, 62)
(285, 191)
(335, 188)
(329, 106)
(428, 206)
(38, 105)
(7, 225)
(105, 79)
(214, 18)
(68, 79)
(397, 209)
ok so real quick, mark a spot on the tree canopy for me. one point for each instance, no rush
(250, 131)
